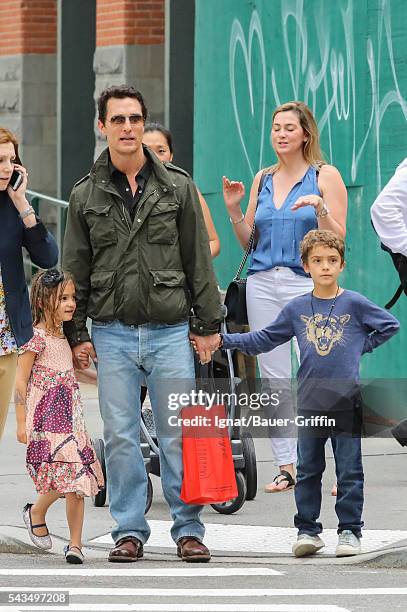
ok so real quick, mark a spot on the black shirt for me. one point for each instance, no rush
(122, 185)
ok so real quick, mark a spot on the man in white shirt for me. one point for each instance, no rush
(389, 212)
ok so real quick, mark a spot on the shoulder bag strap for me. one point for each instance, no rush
(252, 233)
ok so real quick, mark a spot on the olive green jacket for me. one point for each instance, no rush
(150, 270)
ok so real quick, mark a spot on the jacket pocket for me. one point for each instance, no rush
(101, 299)
(167, 299)
(162, 223)
(102, 230)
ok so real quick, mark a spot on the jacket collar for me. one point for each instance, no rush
(100, 172)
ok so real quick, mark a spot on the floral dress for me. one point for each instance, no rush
(7, 342)
(60, 455)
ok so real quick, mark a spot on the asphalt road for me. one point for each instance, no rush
(236, 580)
(153, 585)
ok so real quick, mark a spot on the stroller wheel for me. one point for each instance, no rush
(233, 505)
(250, 466)
(149, 494)
(99, 500)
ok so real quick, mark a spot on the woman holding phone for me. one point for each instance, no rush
(19, 227)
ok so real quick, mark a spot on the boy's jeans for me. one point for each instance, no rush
(127, 356)
(349, 474)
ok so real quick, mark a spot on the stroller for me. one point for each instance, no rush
(243, 449)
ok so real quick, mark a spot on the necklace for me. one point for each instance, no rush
(56, 332)
(322, 336)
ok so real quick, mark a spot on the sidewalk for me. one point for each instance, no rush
(262, 529)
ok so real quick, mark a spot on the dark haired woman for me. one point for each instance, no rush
(299, 193)
(19, 227)
(159, 140)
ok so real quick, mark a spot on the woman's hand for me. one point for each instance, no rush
(233, 194)
(309, 200)
(21, 433)
(18, 197)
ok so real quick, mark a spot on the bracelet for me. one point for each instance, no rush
(323, 212)
(238, 221)
(28, 211)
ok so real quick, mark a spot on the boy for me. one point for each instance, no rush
(334, 327)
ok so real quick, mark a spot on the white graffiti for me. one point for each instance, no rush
(237, 38)
(325, 78)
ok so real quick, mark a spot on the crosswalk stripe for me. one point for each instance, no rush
(171, 571)
(230, 592)
(167, 607)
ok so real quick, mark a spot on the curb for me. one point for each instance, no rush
(394, 558)
(15, 540)
(14, 545)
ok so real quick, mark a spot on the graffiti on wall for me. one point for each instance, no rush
(325, 71)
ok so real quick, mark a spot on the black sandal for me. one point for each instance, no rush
(286, 477)
(73, 554)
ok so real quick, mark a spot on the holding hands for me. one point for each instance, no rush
(205, 346)
(82, 353)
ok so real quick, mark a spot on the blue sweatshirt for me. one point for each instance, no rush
(330, 348)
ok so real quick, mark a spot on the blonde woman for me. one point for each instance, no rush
(299, 193)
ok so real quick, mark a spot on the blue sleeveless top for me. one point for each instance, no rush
(279, 231)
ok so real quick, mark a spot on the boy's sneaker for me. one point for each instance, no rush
(307, 545)
(348, 544)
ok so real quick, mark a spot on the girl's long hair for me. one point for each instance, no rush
(312, 148)
(45, 300)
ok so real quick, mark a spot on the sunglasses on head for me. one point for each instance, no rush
(121, 119)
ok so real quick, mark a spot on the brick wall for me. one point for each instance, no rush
(28, 44)
(28, 26)
(130, 49)
(129, 22)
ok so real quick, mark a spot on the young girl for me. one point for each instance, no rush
(60, 457)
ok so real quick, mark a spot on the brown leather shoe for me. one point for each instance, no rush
(126, 550)
(192, 550)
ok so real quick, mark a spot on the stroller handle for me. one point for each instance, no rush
(224, 311)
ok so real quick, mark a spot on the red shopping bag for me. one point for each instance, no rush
(209, 473)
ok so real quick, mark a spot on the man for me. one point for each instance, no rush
(389, 218)
(389, 212)
(137, 246)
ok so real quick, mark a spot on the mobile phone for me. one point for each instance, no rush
(16, 180)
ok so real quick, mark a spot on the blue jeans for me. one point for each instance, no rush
(349, 474)
(128, 356)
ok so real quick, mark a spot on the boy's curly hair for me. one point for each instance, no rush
(321, 238)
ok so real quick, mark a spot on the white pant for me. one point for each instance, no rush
(266, 295)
